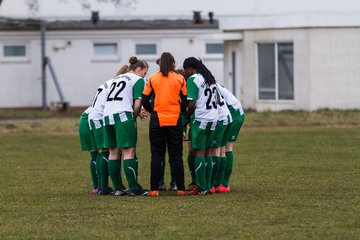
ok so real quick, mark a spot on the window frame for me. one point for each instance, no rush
(213, 55)
(276, 65)
(15, 59)
(147, 56)
(105, 58)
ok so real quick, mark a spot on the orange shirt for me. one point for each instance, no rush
(167, 96)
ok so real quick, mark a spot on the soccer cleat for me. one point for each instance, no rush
(153, 193)
(138, 192)
(204, 192)
(172, 187)
(223, 189)
(162, 187)
(181, 193)
(218, 189)
(94, 191)
(120, 193)
(195, 191)
(107, 191)
(212, 190)
(191, 187)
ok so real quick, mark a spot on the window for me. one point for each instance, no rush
(276, 71)
(18, 52)
(105, 49)
(145, 49)
(14, 51)
(214, 48)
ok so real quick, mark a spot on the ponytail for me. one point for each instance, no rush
(197, 64)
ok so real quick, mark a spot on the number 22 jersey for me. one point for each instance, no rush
(123, 90)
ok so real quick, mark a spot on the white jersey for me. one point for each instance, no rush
(121, 94)
(98, 104)
(88, 110)
(204, 96)
(230, 99)
(224, 113)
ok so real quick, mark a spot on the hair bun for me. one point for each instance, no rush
(133, 60)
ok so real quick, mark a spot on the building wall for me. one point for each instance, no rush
(79, 72)
(326, 68)
(335, 68)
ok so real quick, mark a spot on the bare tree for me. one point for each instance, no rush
(33, 5)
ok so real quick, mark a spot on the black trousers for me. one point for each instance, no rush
(160, 137)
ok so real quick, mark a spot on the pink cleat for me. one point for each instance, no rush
(94, 191)
(223, 189)
(212, 190)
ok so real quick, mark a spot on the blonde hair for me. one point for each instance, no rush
(122, 70)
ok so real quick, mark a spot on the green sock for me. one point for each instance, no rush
(115, 174)
(208, 173)
(228, 168)
(122, 186)
(130, 169)
(104, 171)
(220, 172)
(191, 163)
(94, 176)
(216, 164)
(98, 160)
(200, 172)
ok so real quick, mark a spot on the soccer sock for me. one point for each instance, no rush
(130, 169)
(94, 176)
(115, 173)
(220, 172)
(208, 173)
(216, 164)
(200, 172)
(122, 186)
(191, 163)
(228, 168)
(98, 173)
(104, 171)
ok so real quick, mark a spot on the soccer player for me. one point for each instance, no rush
(220, 140)
(202, 109)
(87, 143)
(168, 88)
(221, 182)
(96, 126)
(123, 105)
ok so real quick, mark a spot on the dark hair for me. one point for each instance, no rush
(166, 63)
(197, 64)
(134, 63)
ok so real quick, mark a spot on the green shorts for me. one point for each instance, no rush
(87, 140)
(201, 134)
(98, 134)
(235, 126)
(121, 134)
(219, 140)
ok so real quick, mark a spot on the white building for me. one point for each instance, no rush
(84, 55)
(297, 55)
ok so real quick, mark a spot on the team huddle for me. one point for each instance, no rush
(183, 105)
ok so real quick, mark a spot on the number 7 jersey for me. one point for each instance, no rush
(205, 98)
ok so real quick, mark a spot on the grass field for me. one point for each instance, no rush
(296, 176)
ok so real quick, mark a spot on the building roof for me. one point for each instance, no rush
(7, 24)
